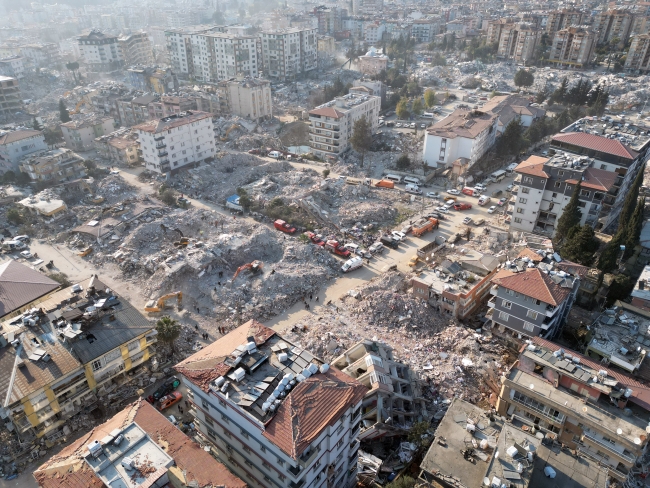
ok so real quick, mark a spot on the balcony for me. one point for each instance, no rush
(162, 154)
(492, 303)
(494, 290)
(159, 138)
(161, 145)
(308, 457)
(295, 470)
(550, 310)
(591, 438)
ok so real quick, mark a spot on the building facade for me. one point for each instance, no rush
(100, 53)
(249, 98)
(563, 19)
(289, 53)
(572, 47)
(300, 429)
(518, 42)
(137, 49)
(613, 24)
(373, 62)
(53, 166)
(14, 145)
(10, 99)
(332, 124)
(80, 133)
(638, 56)
(173, 142)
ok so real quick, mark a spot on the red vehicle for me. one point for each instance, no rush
(315, 239)
(470, 191)
(462, 206)
(336, 248)
(281, 225)
(168, 400)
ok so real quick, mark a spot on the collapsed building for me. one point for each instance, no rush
(394, 400)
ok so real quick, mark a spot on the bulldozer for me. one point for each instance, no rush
(255, 266)
(158, 305)
(86, 251)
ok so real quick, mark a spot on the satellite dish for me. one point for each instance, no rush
(637, 441)
(619, 431)
(532, 386)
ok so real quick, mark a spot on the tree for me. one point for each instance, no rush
(633, 228)
(361, 137)
(630, 202)
(218, 18)
(73, 66)
(580, 245)
(60, 278)
(559, 95)
(168, 197)
(523, 77)
(569, 219)
(419, 434)
(417, 106)
(609, 256)
(429, 98)
(168, 330)
(64, 116)
(402, 110)
(402, 482)
(403, 162)
(512, 140)
(13, 216)
(244, 200)
(326, 173)
(36, 125)
(542, 94)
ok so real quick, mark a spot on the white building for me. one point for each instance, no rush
(332, 124)
(249, 98)
(176, 141)
(277, 415)
(80, 133)
(510, 107)
(100, 53)
(289, 53)
(462, 134)
(16, 144)
(137, 49)
(13, 66)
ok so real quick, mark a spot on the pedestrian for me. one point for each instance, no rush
(310, 296)
(215, 288)
(196, 327)
(187, 404)
(180, 409)
(316, 298)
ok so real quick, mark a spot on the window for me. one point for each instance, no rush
(97, 364)
(537, 302)
(531, 314)
(249, 463)
(506, 304)
(247, 449)
(520, 210)
(504, 316)
(262, 448)
(212, 433)
(568, 187)
(113, 355)
(523, 200)
(528, 180)
(208, 420)
(529, 327)
(205, 404)
(243, 433)
(560, 173)
(607, 439)
(525, 190)
(558, 184)
(517, 220)
(133, 345)
(223, 403)
(339, 444)
(603, 166)
(280, 462)
(585, 193)
(225, 419)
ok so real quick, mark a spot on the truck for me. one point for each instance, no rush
(472, 192)
(282, 226)
(424, 225)
(335, 248)
(388, 241)
(428, 249)
(352, 264)
(233, 203)
(385, 184)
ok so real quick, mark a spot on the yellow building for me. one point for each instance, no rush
(67, 352)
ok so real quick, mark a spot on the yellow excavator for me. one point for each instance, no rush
(77, 107)
(158, 305)
(255, 266)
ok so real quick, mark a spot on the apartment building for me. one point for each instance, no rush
(572, 47)
(289, 53)
(35, 288)
(173, 142)
(612, 24)
(394, 401)
(98, 339)
(13, 66)
(80, 133)
(462, 134)
(638, 56)
(531, 298)
(152, 79)
(511, 107)
(424, 30)
(40, 55)
(53, 166)
(120, 147)
(373, 31)
(100, 52)
(640, 25)
(518, 42)
(277, 415)
(496, 28)
(373, 62)
(137, 49)
(249, 98)
(583, 404)
(563, 19)
(330, 19)
(141, 436)
(456, 288)
(10, 99)
(332, 124)
(16, 144)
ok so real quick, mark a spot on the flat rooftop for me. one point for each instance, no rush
(634, 133)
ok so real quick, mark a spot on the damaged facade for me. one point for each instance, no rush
(394, 400)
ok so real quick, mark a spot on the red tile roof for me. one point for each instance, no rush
(327, 112)
(534, 166)
(535, 284)
(529, 253)
(302, 417)
(596, 143)
(18, 135)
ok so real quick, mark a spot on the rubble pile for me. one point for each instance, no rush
(115, 189)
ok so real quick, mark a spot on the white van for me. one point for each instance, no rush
(411, 180)
(275, 154)
(427, 115)
(394, 178)
(511, 167)
(13, 245)
(497, 176)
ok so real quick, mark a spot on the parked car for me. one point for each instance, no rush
(502, 202)
(363, 253)
(376, 248)
(434, 215)
(467, 220)
(510, 187)
(492, 209)
(167, 387)
(442, 209)
(462, 206)
(479, 222)
(398, 236)
(24, 239)
(480, 187)
(484, 200)
(398, 124)
(168, 400)
(453, 191)
(423, 126)
(316, 239)
(433, 194)
(26, 254)
(351, 246)
(413, 126)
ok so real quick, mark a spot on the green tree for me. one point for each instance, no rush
(419, 434)
(402, 482)
(609, 256)
(429, 98)
(36, 125)
(630, 202)
(361, 137)
(542, 94)
(326, 173)
(523, 77)
(633, 228)
(168, 197)
(403, 162)
(60, 278)
(580, 245)
(569, 219)
(64, 116)
(512, 140)
(74, 67)
(417, 106)
(22, 179)
(560, 93)
(244, 199)
(218, 18)
(168, 330)
(402, 110)
(13, 216)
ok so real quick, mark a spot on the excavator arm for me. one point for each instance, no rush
(255, 266)
(160, 303)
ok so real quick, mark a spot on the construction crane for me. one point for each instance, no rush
(157, 305)
(255, 266)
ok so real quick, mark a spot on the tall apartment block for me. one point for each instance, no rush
(248, 98)
(562, 19)
(137, 49)
(210, 55)
(10, 100)
(518, 42)
(638, 57)
(573, 46)
(276, 415)
(289, 53)
(613, 23)
(496, 27)
(100, 53)
(331, 124)
(370, 7)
